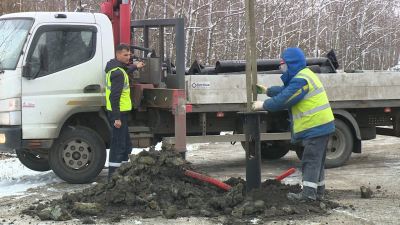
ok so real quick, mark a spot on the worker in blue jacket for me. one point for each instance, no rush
(310, 115)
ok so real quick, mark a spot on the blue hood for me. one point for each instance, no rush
(295, 61)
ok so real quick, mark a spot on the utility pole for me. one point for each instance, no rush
(251, 56)
(251, 119)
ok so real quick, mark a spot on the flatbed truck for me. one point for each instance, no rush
(52, 98)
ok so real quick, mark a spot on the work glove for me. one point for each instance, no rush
(261, 89)
(257, 105)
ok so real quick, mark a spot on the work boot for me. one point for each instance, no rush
(110, 185)
(299, 198)
(320, 197)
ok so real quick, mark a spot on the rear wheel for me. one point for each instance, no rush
(78, 155)
(270, 151)
(33, 161)
(340, 146)
(396, 126)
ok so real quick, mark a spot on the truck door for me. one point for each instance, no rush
(73, 81)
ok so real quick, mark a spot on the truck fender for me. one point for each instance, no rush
(104, 116)
(343, 114)
(350, 118)
(75, 111)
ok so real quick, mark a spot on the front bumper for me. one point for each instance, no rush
(10, 138)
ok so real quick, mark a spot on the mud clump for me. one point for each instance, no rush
(365, 192)
(153, 184)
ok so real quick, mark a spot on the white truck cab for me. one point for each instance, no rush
(51, 78)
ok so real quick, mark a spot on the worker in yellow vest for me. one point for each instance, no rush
(119, 105)
(310, 115)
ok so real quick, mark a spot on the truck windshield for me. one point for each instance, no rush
(13, 34)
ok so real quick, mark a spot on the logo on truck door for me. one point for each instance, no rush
(200, 85)
(30, 104)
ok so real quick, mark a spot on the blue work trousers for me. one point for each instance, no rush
(312, 166)
(121, 145)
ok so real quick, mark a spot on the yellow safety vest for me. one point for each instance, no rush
(125, 103)
(314, 109)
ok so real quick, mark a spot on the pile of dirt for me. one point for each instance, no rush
(153, 184)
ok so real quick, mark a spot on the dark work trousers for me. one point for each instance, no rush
(312, 166)
(121, 145)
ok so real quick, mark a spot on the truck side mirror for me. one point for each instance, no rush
(26, 70)
(43, 57)
(43, 63)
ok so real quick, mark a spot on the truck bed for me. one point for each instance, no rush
(344, 90)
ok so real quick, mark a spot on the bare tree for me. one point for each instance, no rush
(364, 33)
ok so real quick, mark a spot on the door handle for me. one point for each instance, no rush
(93, 88)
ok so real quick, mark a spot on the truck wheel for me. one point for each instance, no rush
(33, 161)
(299, 152)
(272, 151)
(340, 146)
(269, 151)
(78, 155)
(396, 126)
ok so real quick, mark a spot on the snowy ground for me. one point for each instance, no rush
(15, 178)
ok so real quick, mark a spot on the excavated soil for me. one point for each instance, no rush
(153, 184)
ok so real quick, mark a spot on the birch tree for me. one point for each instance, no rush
(364, 33)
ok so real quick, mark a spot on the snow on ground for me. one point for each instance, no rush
(15, 178)
(294, 178)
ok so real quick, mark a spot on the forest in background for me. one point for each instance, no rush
(364, 33)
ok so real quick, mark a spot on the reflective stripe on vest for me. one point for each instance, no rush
(314, 109)
(125, 103)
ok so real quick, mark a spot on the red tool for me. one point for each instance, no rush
(207, 179)
(285, 174)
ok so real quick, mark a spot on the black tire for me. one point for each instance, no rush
(299, 152)
(33, 161)
(396, 126)
(78, 155)
(269, 151)
(340, 146)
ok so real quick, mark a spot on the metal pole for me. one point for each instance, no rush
(253, 152)
(251, 119)
(180, 53)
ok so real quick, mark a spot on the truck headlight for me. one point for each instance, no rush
(5, 118)
(2, 138)
(10, 118)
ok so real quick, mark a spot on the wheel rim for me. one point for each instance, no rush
(336, 145)
(76, 154)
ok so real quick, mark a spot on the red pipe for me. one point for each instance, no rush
(207, 179)
(285, 174)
